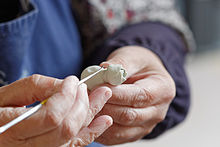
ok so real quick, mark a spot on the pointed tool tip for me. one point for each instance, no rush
(2, 130)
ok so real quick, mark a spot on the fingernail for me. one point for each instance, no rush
(108, 94)
(83, 86)
(104, 64)
(109, 122)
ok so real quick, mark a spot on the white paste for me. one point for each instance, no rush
(114, 75)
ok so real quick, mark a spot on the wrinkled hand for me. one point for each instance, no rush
(66, 118)
(140, 103)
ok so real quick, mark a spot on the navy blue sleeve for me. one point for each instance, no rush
(15, 36)
(168, 44)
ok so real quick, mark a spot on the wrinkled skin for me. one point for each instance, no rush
(65, 120)
(142, 101)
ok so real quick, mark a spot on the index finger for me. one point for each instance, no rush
(142, 93)
(51, 114)
(28, 90)
(129, 95)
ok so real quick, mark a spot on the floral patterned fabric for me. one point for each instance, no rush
(100, 18)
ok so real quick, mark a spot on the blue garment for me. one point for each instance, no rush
(95, 144)
(44, 41)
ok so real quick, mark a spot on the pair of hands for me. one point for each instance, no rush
(65, 120)
(136, 106)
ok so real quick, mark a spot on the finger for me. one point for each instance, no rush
(158, 88)
(51, 114)
(94, 130)
(130, 95)
(118, 134)
(69, 127)
(97, 100)
(28, 90)
(130, 60)
(151, 90)
(128, 116)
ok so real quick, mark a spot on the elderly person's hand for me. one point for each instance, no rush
(139, 104)
(66, 118)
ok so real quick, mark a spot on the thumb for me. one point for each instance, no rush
(28, 90)
(132, 59)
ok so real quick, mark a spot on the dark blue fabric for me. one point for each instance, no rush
(44, 41)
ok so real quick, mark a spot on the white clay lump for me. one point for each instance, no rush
(114, 74)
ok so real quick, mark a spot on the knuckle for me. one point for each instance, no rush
(92, 136)
(169, 94)
(34, 79)
(148, 97)
(148, 131)
(120, 135)
(141, 98)
(170, 90)
(123, 135)
(93, 111)
(74, 78)
(68, 130)
(160, 117)
(117, 94)
(53, 119)
(79, 142)
(67, 87)
(67, 92)
(129, 116)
